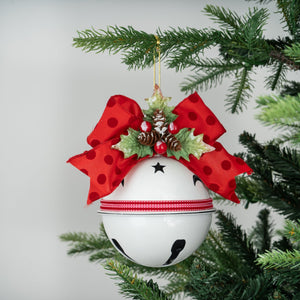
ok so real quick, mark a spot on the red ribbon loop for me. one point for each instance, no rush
(107, 167)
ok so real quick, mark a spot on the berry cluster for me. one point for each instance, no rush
(160, 134)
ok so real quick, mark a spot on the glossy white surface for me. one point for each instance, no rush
(174, 183)
(146, 237)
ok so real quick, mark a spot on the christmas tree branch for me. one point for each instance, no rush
(292, 232)
(275, 180)
(294, 53)
(257, 287)
(262, 232)
(239, 39)
(280, 259)
(114, 39)
(132, 286)
(291, 88)
(226, 18)
(214, 253)
(207, 80)
(277, 77)
(236, 240)
(206, 283)
(86, 243)
(290, 11)
(286, 60)
(239, 91)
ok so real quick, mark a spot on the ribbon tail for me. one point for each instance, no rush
(217, 170)
(106, 168)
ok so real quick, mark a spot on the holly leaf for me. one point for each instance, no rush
(158, 101)
(130, 145)
(190, 144)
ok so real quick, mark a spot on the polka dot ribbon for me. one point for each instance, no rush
(107, 167)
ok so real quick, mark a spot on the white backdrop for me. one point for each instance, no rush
(52, 95)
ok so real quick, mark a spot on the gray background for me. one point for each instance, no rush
(52, 95)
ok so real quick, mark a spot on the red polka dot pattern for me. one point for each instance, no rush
(192, 116)
(108, 159)
(217, 170)
(112, 165)
(120, 113)
(193, 113)
(118, 171)
(206, 139)
(239, 161)
(232, 184)
(218, 147)
(112, 122)
(93, 196)
(214, 187)
(116, 183)
(207, 170)
(210, 120)
(101, 178)
(90, 154)
(95, 143)
(226, 165)
(193, 99)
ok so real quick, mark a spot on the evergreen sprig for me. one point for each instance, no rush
(275, 180)
(280, 259)
(290, 10)
(225, 270)
(291, 231)
(233, 235)
(291, 88)
(133, 43)
(293, 52)
(262, 232)
(212, 73)
(239, 39)
(278, 75)
(133, 287)
(240, 91)
(96, 245)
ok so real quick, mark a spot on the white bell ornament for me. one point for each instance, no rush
(159, 215)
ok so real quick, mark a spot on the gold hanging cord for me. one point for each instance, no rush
(156, 50)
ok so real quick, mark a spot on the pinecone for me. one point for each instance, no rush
(172, 142)
(159, 122)
(148, 138)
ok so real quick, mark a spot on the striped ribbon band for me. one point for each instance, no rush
(153, 205)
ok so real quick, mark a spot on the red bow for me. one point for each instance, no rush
(107, 167)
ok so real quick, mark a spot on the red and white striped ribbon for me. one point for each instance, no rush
(156, 205)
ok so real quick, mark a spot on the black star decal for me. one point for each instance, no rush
(159, 167)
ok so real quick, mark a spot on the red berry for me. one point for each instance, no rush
(145, 126)
(173, 128)
(160, 147)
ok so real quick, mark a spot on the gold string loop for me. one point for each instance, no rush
(156, 50)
